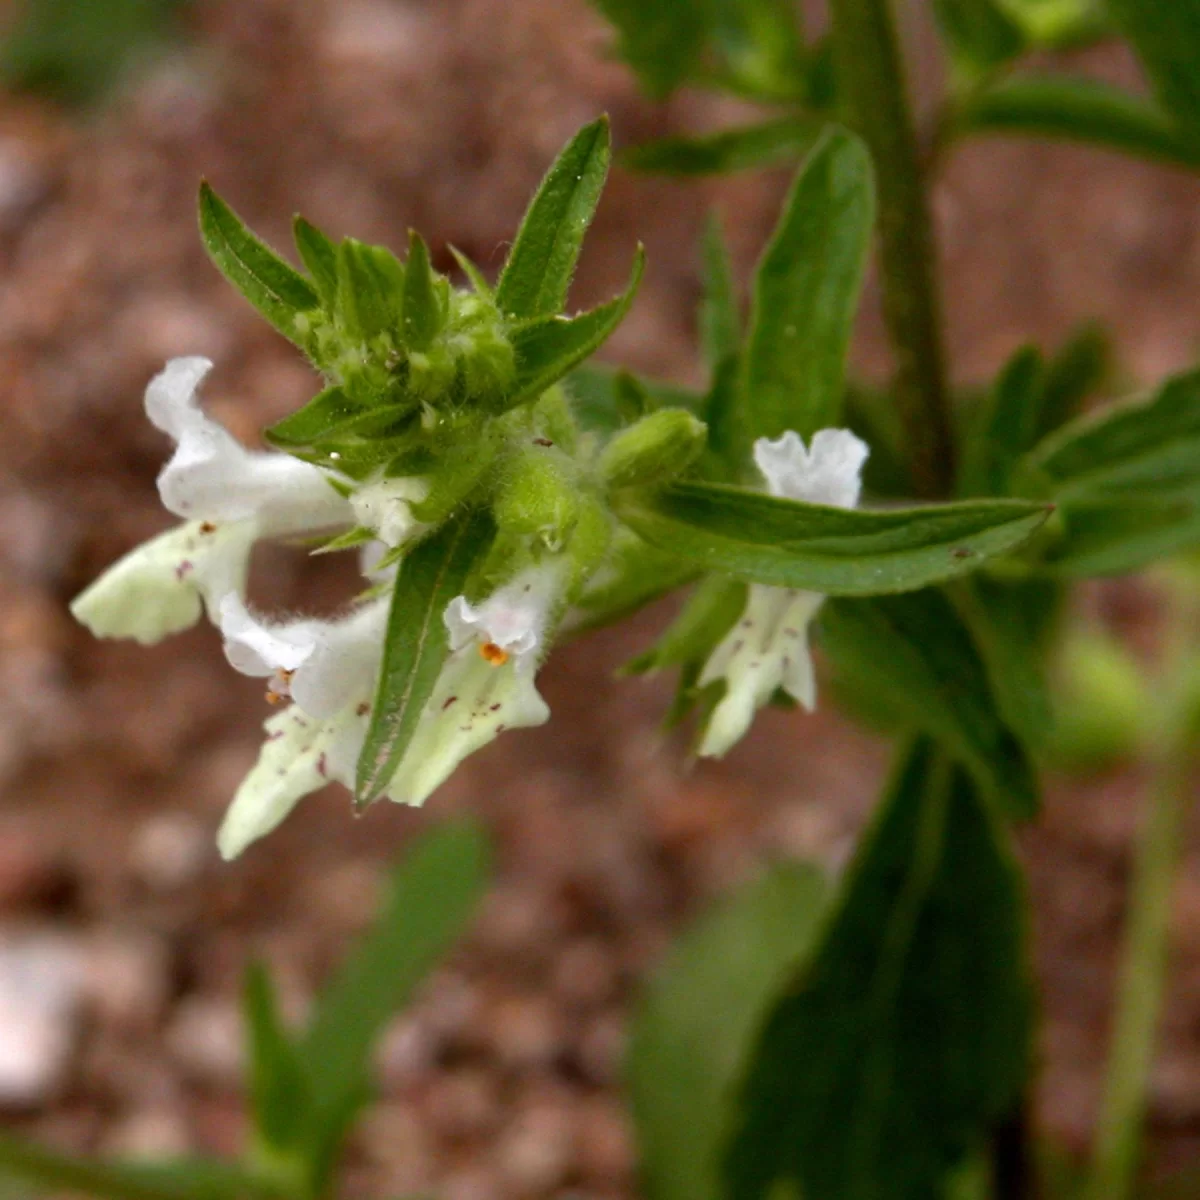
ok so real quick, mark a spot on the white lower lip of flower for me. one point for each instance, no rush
(514, 617)
(473, 702)
(767, 649)
(162, 586)
(385, 506)
(301, 755)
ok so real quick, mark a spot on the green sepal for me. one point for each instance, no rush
(423, 312)
(360, 535)
(540, 266)
(539, 496)
(319, 255)
(370, 290)
(323, 415)
(473, 273)
(276, 289)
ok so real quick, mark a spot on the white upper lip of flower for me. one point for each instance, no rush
(828, 473)
(213, 477)
(513, 617)
(326, 664)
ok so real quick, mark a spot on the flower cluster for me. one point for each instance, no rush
(324, 671)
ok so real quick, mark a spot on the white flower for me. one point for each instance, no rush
(230, 497)
(385, 505)
(487, 684)
(768, 647)
(328, 670)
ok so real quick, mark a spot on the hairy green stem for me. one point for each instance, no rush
(1144, 960)
(871, 80)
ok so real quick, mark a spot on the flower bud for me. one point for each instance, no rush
(656, 449)
(539, 497)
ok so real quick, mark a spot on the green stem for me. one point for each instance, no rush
(1144, 955)
(871, 80)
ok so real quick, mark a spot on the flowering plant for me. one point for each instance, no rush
(503, 494)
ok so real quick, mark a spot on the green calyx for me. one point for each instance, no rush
(657, 448)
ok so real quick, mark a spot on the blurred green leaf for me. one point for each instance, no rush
(434, 892)
(1140, 450)
(1166, 36)
(837, 551)
(271, 285)
(549, 348)
(660, 39)
(175, 1179)
(720, 315)
(542, 261)
(75, 50)
(279, 1096)
(1112, 538)
(1004, 426)
(782, 139)
(1077, 370)
(707, 615)
(414, 648)
(758, 43)
(1008, 636)
(1083, 110)
(698, 1019)
(905, 1037)
(915, 659)
(980, 35)
(806, 293)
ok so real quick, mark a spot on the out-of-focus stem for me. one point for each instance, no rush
(871, 80)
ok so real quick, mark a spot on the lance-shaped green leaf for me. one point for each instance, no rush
(837, 551)
(916, 659)
(319, 256)
(549, 348)
(174, 1179)
(660, 39)
(806, 294)
(686, 1052)
(422, 309)
(1166, 37)
(278, 1087)
(1004, 427)
(781, 140)
(1149, 448)
(538, 272)
(415, 646)
(1076, 109)
(905, 1037)
(276, 289)
(433, 894)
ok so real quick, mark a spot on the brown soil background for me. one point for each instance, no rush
(116, 761)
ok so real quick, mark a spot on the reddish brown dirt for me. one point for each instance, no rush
(116, 761)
